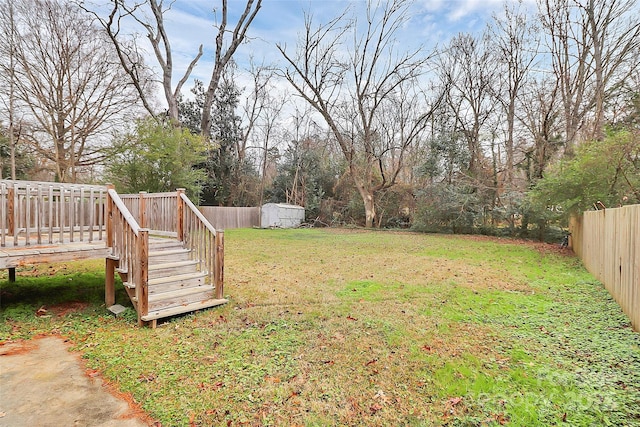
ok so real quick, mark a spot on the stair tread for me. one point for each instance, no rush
(172, 251)
(175, 278)
(172, 264)
(168, 279)
(173, 311)
(154, 297)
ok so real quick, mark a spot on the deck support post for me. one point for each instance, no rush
(110, 282)
(219, 264)
(142, 273)
(110, 264)
(12, 274)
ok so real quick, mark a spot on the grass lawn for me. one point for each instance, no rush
(350, 327)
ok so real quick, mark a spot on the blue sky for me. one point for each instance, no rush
(191, 22)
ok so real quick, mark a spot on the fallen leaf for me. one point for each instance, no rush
(380, 396)
(147, 378)
(92, 373)
(451, 404)
(454, 401)
(501, 419)
(375, 408)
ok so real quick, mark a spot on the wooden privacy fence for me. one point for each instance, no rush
(608, 242)
(47, 213)
(229, 217)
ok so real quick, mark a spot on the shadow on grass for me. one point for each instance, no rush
(29, 294)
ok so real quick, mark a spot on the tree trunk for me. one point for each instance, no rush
(369, 206)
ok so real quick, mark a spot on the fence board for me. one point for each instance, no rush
(607, 241)
(224, 218)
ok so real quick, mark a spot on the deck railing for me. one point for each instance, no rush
(129, 245)
(48, 213)
(205, 242)
(155, 211)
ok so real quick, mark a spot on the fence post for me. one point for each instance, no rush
(142, 209)
(180, 214)
(219, 264)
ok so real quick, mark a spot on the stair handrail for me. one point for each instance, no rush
(129, 244)
(206, 244)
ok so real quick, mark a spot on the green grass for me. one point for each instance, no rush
(347, 327)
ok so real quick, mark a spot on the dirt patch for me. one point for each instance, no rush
(12, 348)
(44, 384)
(65, 308)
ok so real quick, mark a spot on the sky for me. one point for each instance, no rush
(191, 22)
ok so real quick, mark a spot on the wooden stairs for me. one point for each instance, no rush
(170, 258)
(176, 284)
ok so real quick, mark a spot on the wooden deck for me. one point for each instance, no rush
(16, 256)
(170, 258)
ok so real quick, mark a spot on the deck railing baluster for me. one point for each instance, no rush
(27, 214)
(81, 219)
(39, 214)
(61, 214)
(3, 217)
(51, 219)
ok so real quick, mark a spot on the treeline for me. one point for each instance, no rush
(503, 132)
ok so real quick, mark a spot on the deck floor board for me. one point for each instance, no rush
(22, 254)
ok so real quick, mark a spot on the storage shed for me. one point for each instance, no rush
(281, 215)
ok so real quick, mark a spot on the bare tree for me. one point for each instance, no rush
(594, 45)
(468, 72)
(515, 40)
(68, 85)
(255, 103)
(8, 29)
(127, 48)
(261, 114)
(541, 115)
(352, 86)
(224, 53)
(157, 34)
